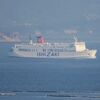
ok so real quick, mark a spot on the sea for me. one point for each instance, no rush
(49, 79)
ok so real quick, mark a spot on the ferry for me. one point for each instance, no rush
(42, 49)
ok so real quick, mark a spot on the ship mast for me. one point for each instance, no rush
(30, 39)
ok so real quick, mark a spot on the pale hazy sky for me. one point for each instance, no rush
(50, 15)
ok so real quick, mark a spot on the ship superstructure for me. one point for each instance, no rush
(42, 49)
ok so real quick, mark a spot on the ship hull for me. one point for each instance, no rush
(81, 55)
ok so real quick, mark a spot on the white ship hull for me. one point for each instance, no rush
(42, 52)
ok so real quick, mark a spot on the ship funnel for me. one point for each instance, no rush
(40, 39)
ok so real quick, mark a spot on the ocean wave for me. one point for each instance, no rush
(55, 94)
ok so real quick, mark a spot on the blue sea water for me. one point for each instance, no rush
(49, 79)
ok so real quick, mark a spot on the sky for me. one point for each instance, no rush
(52, 18)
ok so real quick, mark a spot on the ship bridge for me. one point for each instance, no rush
(80, 46)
